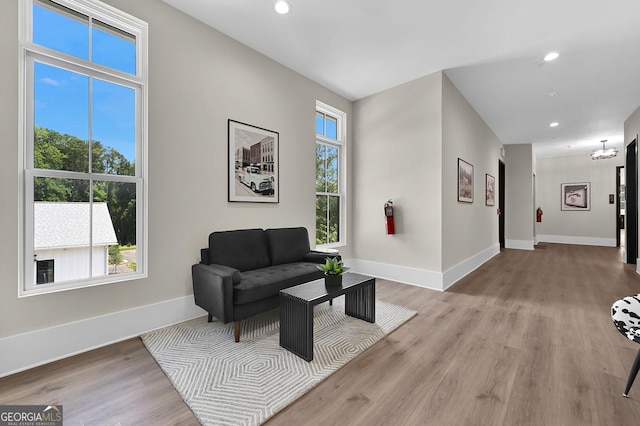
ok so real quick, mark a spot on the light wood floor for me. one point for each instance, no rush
(527, 339)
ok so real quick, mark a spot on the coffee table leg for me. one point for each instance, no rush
(296, 326)
(361, 303)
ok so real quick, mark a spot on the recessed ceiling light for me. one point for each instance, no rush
(552, 94)
(283, 7)
(551, 56)
(554, 124)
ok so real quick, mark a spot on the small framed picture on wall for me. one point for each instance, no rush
(465, 181)
(490, 186)
(575, 196)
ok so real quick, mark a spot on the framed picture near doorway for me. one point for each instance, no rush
(253, 163)
(575, 196)
(465, 181)
(490, 186)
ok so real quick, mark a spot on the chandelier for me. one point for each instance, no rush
(603, 154)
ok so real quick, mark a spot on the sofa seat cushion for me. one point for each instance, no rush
(266, 282)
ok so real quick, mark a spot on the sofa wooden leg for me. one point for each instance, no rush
(236, 330)
(210, 318)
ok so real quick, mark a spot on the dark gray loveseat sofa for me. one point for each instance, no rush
(242, 272)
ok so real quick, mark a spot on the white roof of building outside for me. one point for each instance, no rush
(58, 225)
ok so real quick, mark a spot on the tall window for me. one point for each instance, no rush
(83, 145)
(330, 172)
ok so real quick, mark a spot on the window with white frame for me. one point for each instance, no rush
(330, 172)
(83, 78)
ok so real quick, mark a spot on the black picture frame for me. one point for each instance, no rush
(575, 196)
(253, 164)
(490, 190)
(465, 181)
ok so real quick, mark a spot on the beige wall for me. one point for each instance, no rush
(467, 228)
(408, 141)
(600, 220)
(8, 164)
(198, 78)
(398, 155)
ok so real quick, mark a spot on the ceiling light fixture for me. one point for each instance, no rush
(282, 7)
(554, 124)
(551, 56)
(603, 154)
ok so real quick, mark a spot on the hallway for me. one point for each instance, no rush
(527, 339)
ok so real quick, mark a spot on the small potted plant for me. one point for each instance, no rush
(333, 270)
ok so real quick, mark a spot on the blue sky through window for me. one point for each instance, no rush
(61, 32)
(61, 100)
(62, 97)
(326, 125)
(113, 51)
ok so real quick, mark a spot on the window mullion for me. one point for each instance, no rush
(326, 170)
(90, 121)
(90, 37)
(91, 228)
(82, 66)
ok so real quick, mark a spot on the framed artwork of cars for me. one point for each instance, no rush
(253, 163)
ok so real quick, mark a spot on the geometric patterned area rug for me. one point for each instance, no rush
(246, 383)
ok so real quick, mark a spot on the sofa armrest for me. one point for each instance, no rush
(213, 289)
(205, 256)
(319, 256)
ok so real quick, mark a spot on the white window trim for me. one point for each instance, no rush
(340, 142)
(28, 52)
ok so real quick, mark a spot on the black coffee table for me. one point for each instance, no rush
(296, 308)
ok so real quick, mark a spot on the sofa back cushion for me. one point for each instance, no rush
(244, 249)
(287, 245)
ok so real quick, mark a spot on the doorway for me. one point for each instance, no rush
(620, 206)
(631, 204)
(501, 202)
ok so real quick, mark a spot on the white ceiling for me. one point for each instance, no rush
(492, 50)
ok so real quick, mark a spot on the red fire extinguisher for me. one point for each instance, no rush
(539, 215)
(388, 213)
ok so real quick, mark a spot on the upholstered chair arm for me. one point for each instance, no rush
(213, 289)
(319, 256)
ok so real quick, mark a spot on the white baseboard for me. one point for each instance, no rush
(584, 241)
(519, 244)
(423, 277)
(453, 275)
(403, 274)
(28, 350)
